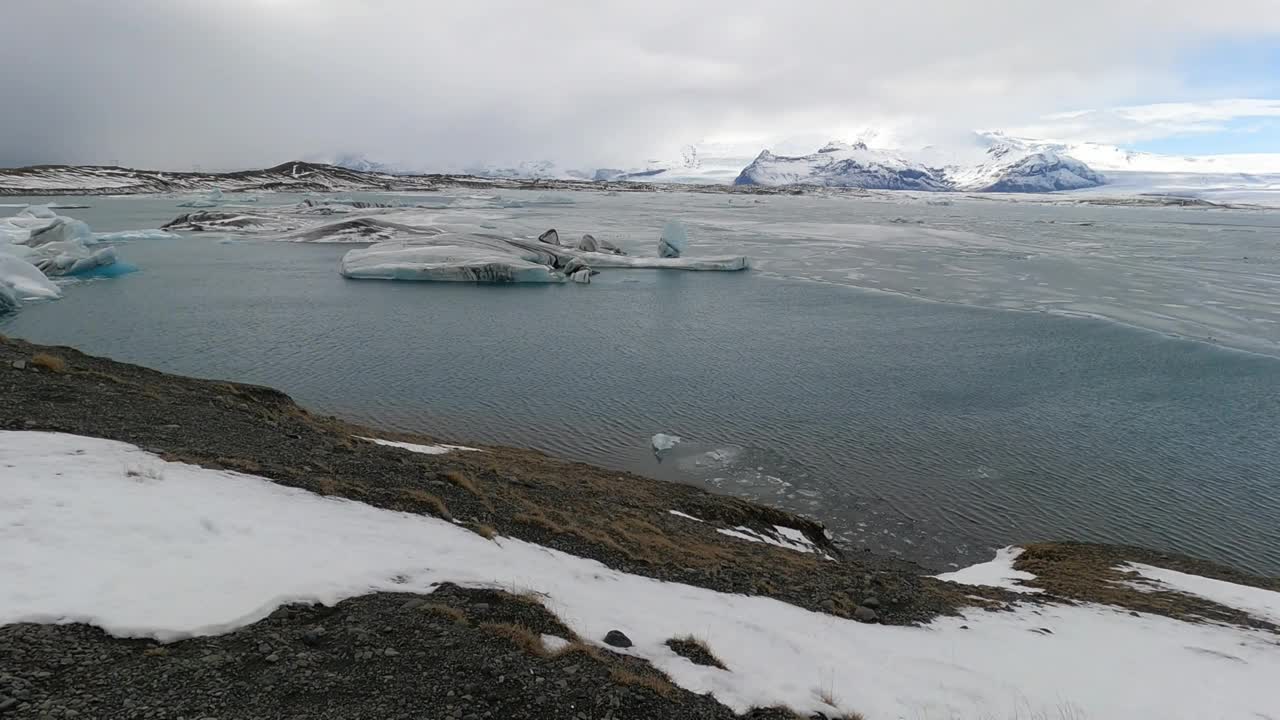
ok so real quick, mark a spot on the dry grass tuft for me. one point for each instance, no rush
(52, 363)
(695, 650)
(327, 485)
(578, 646)
(241, 464)
(538, 519)
(654, 682)
(521, 636)
(448, 611)
(460, 479)
(426, 499)
(156, 651)
(485, 531)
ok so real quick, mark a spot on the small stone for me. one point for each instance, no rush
(872, 602)
(264, 648)
(865, 614)
(273, 658)
(391, 652)
(413, 604)
(617, 639)
(19, 364)
(7, 702)
(828, 605)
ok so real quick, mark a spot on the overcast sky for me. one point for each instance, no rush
(235, 83)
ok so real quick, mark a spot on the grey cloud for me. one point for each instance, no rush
(177, 83)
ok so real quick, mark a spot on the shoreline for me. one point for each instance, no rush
(631, 524)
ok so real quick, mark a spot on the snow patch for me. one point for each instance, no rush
(1260, 603)
(997, 572)
(424, 449)
(677, 513)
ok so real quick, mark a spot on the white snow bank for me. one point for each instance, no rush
(998, 572)
(424, 449)
(1260, 603)
(662, 441)
(102, 532)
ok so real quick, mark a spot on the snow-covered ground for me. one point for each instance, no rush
(102, 532)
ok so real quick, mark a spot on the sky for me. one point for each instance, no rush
(218, 84)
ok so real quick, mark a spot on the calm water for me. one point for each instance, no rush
(928, 429)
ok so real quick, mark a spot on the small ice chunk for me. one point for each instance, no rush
(588, 243)
(675, 239)
(550, 237)
(662, 442)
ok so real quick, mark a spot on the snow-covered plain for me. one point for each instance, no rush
(102, 532)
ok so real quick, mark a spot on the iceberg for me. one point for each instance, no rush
(450, 258)
(674, 239)
(213, 198)
(20, 280)
(37, 244)
(487, 258)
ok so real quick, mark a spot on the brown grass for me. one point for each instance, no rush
(485, 531)
(695, 650)
(52, 363)
(580, 647)
(241, 464)
(448, 611)
(156, 651)
(538, 519)
(327, 485)
(426, 499)
(521, 636)
(460, 479)
(652, 681)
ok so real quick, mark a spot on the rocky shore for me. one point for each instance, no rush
(460, 652)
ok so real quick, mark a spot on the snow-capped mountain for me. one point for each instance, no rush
(1010, 165)
(1005, 167)
(842, 165)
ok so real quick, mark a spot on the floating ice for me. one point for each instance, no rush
(213, 198)
(674, 240)
(450, 258)
(662, 442)
(36, 244)
(550, 237)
